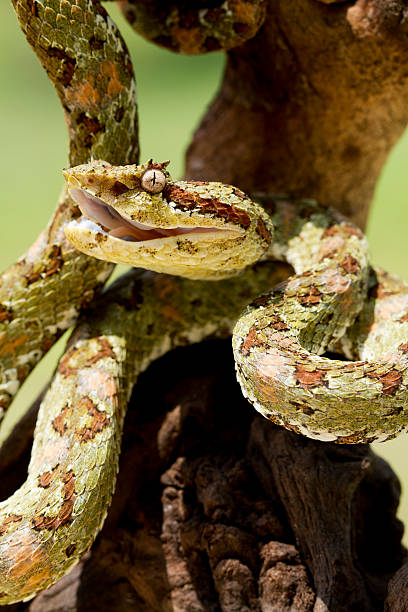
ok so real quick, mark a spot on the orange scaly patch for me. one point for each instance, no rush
(106, 350)
(109, 69)
(185, 200)
(67, 368)
(312, 297)
(13, 518)
(250, 341)
(10, 347)
(64, 516)
(267, 392)
(307, 379)
(28, 559)
(390, 381)
(45, 479)
(350, 265)
(84, 94)
(59, 423)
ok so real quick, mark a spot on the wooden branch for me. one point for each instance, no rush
(312, 105)
(397, 600)
(330, 494)
(216, 508)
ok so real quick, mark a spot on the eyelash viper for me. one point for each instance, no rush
(210, 231)
(54, 517)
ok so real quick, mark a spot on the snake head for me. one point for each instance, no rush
(139, 216)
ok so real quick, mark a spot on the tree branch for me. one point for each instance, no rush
(312, 105)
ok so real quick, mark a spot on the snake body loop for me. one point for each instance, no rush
(88, 63)
(278, 342)
(42, 294)
(203, 231)
(54, 517)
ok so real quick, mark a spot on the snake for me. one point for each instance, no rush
(208, 251)
(137, 214)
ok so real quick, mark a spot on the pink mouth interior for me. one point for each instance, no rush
(95, 209)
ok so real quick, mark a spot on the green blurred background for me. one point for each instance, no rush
(173, 92)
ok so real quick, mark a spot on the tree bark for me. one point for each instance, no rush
(312, 105)
(215, 508)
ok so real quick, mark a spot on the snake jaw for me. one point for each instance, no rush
(112, 223)
(189, 251)
(195, 229)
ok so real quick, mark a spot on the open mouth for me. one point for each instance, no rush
(113, 224)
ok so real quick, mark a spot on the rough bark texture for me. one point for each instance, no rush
(311, 105)
(398, 591)
(215, 508)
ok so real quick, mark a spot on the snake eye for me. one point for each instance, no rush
(153, 181)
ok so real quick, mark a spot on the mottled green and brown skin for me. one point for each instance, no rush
(54, 517)
(278, 342)
(193, 27)
(87, 61)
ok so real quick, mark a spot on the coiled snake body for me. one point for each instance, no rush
(210, 230)
(201, 231)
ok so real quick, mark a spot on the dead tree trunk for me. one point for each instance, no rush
(215, 508)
